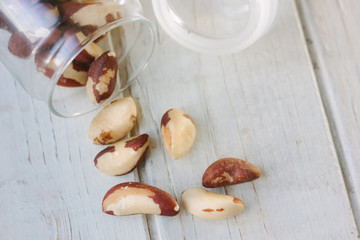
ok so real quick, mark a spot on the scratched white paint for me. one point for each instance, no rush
(261, 105)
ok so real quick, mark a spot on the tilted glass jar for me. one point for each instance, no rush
(50, 45)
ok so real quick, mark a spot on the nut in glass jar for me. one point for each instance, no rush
(50, 45)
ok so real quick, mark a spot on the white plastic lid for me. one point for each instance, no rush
(216, 26)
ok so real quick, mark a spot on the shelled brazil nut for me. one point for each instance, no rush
(64, 39)
(76, 72)
(138, 198)
(41, 18)
(209, 205)
(90, 15)
(101, 80)
(123, 156)
(75, 75)
(178, 132)
(113, 122)
(53, 29)
(90, 52)
(229, 171)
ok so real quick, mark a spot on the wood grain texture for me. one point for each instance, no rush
(49, 187)
(261, 105)
(332, 31)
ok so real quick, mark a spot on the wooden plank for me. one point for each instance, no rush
(261, 105)
(49, 187)
(332, 30)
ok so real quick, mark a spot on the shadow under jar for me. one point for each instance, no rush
(51, 46)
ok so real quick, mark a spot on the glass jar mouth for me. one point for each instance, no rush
(196, 35)
(91, 38)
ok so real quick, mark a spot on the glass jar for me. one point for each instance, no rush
(50, 46)
(216, 26)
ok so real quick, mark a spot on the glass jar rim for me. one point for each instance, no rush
(260, 20)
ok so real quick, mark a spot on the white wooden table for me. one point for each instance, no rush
(290, 104)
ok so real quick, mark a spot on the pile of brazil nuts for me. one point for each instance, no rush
(115, 121)
(51, 29)
(68, 22)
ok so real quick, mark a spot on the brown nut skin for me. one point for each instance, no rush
(75, 75)
(19, 45)
(102, 77)
(131, 198)
(178, 132)
(113, 122)
(90, 15)
(44, 63)
(39, 16)
(88, 54)
(229, 171)
(122, 157)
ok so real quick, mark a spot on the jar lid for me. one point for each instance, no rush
(215, 26)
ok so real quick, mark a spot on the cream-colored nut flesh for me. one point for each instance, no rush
(122, 157)
(178, 132)
(209, 205)
(113, 122)
(138, 198)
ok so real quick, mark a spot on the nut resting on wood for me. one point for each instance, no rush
(113, 122)
(178, 132)
(229, 171)
(209, 205)
(138, 198)
(122, 157)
